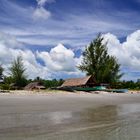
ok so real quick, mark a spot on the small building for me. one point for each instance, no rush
(88, 81)
(34, 85)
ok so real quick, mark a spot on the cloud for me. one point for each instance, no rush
(60, 62)
(41, 12)
(43, 2)
(67, 27)
(10, 48)
(59, 59)
(127, 53)
(8, 40)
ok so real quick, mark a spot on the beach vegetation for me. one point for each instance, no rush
(97, 62)
(49, 83)
(17, 73)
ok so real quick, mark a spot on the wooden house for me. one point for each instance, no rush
(88, 81)
(34, 85)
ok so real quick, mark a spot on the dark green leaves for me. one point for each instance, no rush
(17, 72)
(97, 62)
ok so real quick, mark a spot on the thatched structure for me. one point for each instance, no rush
(88, 81)
(34, 85)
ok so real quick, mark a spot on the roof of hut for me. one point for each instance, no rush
(76, 81)
(34, 85)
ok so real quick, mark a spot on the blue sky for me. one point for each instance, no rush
(44, 26)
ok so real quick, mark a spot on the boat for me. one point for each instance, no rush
(89, 89)
(117, 90)
(100, 88)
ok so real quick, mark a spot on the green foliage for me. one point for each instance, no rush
(17, 73)
(5, 86)
(8, 80)
(126, 85)
(97, 62)
(48, 83)
(52, 83)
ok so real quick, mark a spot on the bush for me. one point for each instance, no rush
(5, 86)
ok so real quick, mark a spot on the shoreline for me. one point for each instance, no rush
(61, 92)
(95, 98)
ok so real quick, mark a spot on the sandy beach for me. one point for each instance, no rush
(68, 116)
(62, 100)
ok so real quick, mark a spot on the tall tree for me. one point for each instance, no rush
(97, 62)
(17, 72)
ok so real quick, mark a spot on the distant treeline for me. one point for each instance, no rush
(126, 85)
(48, 83)
(17, 78)
(7, 83)
(131, 85)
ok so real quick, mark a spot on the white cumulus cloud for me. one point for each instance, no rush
(59, 59)
(10, 48)
(127, 53)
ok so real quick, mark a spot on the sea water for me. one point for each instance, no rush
(112, 122)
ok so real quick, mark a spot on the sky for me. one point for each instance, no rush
(51, 35)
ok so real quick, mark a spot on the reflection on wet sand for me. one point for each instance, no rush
(103, 123)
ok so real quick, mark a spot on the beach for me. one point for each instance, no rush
(27, 101)
(66, 115)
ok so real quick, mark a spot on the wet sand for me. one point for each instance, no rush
(24, 102)
(63, 115)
